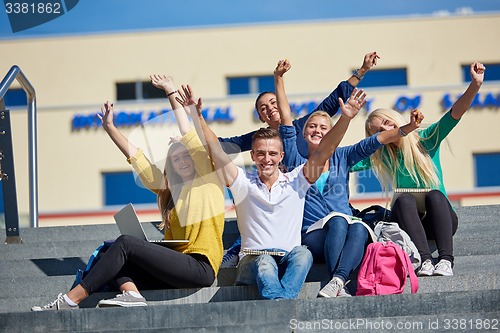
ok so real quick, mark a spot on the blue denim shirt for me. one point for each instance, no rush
(330, 105)
(335, 195)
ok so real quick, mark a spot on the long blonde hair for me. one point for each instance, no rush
(170, 188)
(416, 158)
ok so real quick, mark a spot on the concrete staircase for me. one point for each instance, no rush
(35, 272)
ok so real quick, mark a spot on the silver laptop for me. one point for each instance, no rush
(129, 224)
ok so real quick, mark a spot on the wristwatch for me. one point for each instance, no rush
(357, 75)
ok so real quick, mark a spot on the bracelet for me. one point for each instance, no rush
(402, 133)
(171, 93)
(357, 75)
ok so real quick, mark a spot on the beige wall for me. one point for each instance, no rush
(75, 74)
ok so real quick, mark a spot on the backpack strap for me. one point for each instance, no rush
(405, 260)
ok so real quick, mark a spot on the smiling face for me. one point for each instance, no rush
(316, 128)
(182, 163)
(267, 108)
(267, 155)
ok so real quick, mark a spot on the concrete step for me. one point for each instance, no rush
(468, 322)
(23, 293)
(10, 270)
(102, 232)
(264, 316)
(68, 266)
(463, 246)
(475, 219)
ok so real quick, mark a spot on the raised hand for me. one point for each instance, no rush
(188, 101)
(370, 60)
(282, 67)
(355, 102)
(163, 82)
(106, 116)
(416, 118)
(477, 72)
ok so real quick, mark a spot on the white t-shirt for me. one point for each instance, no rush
(270, 219)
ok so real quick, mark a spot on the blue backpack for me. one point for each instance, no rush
(94, 258)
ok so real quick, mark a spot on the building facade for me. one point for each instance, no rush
(83, 178)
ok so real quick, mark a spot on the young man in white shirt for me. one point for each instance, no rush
(269, 203)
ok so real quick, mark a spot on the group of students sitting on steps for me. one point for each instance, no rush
(275, 208)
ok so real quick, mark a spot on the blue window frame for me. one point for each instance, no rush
(120, 188)
(238, 85)
(15, 97)
(265, 83)
(486, 166)
(492, 74)
(367, 182)
(245, 85)
(385, 78)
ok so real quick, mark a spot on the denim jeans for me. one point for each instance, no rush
(276, 277)
(339, 244)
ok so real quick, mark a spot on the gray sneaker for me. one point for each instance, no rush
(125, 300)
(58, 304)
(332, 288)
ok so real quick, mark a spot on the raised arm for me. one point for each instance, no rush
(317, 160)
(464, 102)
(369, 61)
(166, 84)
(226, 169)
(114, 133)
(395, 134)
(281, 99)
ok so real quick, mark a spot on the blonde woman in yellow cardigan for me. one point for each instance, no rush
(191, 200)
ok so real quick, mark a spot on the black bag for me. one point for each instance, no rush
(374, 214)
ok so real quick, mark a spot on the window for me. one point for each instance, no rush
(15, 97)
(486, 169)
(249, 84)
(385, 78)
(138, 90)
(492, 74)
(367, 182)
(126, 91)
(150, 92)
(120, 188)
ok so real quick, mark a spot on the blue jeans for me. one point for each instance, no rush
(276, 277)
(339, 244)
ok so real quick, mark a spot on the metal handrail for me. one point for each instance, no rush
(16, 73)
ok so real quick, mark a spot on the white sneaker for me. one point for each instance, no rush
(427, 268)
(344, 293)
(332, 288)
(443, 268)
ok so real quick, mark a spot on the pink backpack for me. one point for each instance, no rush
(384, 269)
